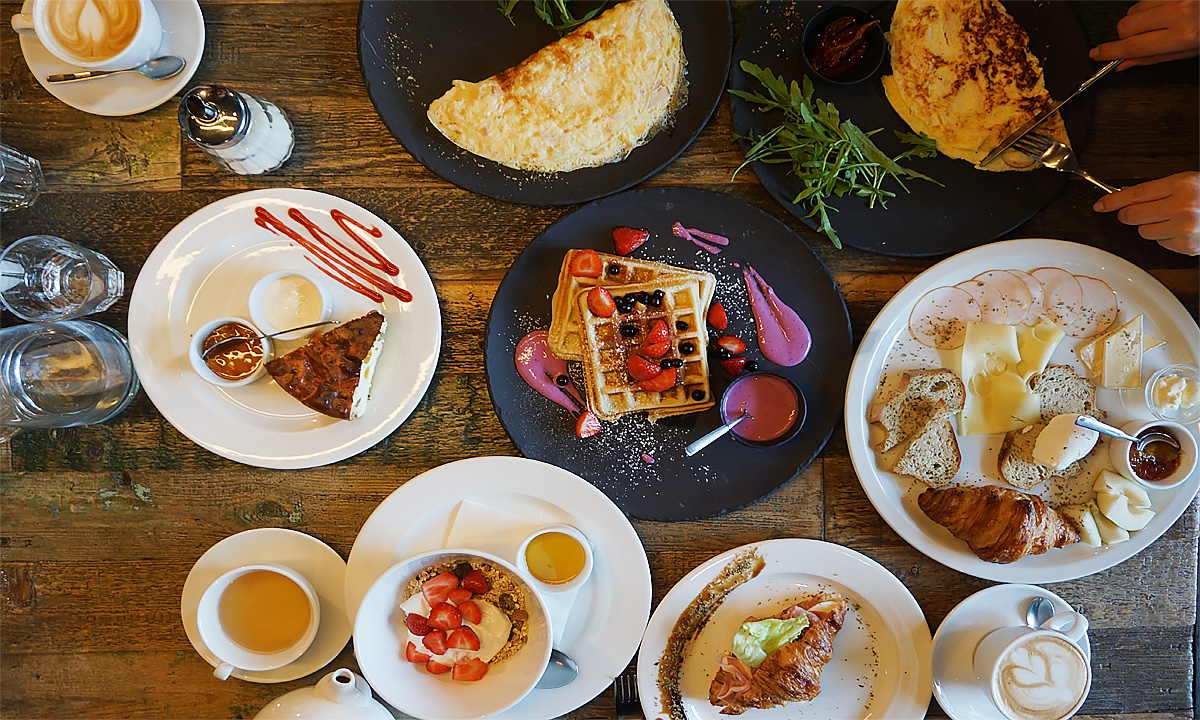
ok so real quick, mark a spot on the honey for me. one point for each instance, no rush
(236, 359)
(264, 612)
(555, 557)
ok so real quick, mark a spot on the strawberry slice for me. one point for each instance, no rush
(459, 595)
(733, 365)
(642, 369)
(586, 263)
(436, 668)
(463, 638)
(476, 582)
(588, 424)
(657, 350)
(471, 612)
(413, 655)
(627, 239)
(437, 588)
(731, 343)
(658, 333)
(435, 642)
(444, 616)
(601, 303)
(665, 380)
(716, 316)
(473, 669)
(417, 624)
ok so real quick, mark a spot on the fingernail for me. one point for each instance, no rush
(1100, 206)
(1094, 54)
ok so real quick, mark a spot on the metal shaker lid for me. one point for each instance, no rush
(213, 116)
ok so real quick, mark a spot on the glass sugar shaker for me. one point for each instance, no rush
(239, 132)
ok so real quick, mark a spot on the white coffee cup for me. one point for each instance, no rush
(1036, 673)
(546, 585)
(231, 654)
(94, 34)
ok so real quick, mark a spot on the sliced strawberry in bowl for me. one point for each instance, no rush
(586, 263)
(717, 317)
(662, 382)
(658, 333)
(463, 638)
(435, 642)
(444, 616)
(417, 624)
(413, 655)
(436, 668)
(641, 369)
(437, 588)
(473, 669)
(588, 424)
(657, 350)
(459, 595)
(732, 343)
(471, 612)
(601, 303)
(627, 239)
(476, 582)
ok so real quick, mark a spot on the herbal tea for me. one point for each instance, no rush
(264, 612)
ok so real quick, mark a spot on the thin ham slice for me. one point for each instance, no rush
(1016, 294)
(993, 307)
(1098, 308)
(1037, 296)
(939, 319)
(1064, 297)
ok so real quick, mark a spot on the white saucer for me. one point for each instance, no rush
(958, 690)
(305, 554)
(126, 93)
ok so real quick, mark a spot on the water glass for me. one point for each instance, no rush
(63, 374)
(44, 278)
(21, 179)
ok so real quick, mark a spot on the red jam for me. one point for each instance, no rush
(235, 360)
(772, 401)
(1156, 461)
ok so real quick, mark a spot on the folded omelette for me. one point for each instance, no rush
(962, 73)
(587, 99)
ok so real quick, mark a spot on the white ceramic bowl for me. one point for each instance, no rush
(1118, 453)
(558, 588)
(1185, 416)
(202, 369)
(259, 296)
(380, 639)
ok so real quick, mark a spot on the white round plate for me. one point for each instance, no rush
(305, 554)
(881, 656)
(126, 93)
(204, 269)
(609, 614)
(957, 688)
(888, 348)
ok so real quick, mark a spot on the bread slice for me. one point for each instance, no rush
(906, 413)
(933, 456)
(1061, 390)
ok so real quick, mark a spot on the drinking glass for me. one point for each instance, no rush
(21, 179)
(63, 374)
(44, 278)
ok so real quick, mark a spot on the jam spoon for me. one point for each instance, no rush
(204, 355)
(1150, 436)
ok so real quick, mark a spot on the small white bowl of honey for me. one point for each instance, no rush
(235, 363)
(557, 557)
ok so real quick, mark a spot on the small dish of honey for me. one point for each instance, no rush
(557, 557)
(235, 363)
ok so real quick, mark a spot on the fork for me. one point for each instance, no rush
(1053, 154)
(626, 693)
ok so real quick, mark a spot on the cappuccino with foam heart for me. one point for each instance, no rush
(1042, 676)
(93, 29)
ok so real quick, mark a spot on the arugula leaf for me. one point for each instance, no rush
(506, 8)
(830, 156)
(552, 12)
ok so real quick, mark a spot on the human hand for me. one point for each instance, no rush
(1154, 31)
(1166, 210)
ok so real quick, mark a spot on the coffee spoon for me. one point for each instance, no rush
(1040, 610)
(159, 68)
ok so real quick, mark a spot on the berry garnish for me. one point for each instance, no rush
(613, 269)
(751, 366)
(716, 316)
(413, 655)
(473, 669)
(463, 638)
(658, 333)
(476, 582)
(586, 263)
(437, 588)
(562, 380)
(471, 612)
(733, 365)
(600, 302)
(731, 343)
(435, 641)
(459, 595)
(721, 352)
(671, 363)
(687, 347)
(643, 297)
(657, 350)
(588, 424)
(658, 294)
(626, 239)
(654, 301)
(628, 330)
(642, 369)
(417, 624)
(681, 325)
(444, 616)
(461, 570)
(435, 667)
(697, 395)
(665, 380)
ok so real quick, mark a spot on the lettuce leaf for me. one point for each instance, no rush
(757, 639)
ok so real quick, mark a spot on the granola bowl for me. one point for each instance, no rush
(440, 678)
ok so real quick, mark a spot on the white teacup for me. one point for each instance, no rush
(1036, 673)
(94, 34)
(258, 622)
(551, 559)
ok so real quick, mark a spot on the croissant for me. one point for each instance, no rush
(1000, 525)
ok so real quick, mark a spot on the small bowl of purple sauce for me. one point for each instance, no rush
(775, 404)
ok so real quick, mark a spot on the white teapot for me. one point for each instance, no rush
(340, 695)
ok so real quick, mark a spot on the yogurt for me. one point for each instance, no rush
(493, 631)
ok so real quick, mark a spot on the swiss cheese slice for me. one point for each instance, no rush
(1121, 366)
(998, 399)
(1036, 344)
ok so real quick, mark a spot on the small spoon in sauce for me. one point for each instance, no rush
(204, 355)
(1140, 443)
(712, 436)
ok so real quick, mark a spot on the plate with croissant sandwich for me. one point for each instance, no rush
(963, 396)
(786, 628)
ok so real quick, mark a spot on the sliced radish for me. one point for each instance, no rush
(1064, 297)
(1037, 296)
(939, 319)
(993, 307)
(1015, 292)
(1098, 308)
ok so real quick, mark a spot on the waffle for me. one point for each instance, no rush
(566, 340)
(610, 389)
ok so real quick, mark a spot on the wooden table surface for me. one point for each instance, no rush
(100, 525)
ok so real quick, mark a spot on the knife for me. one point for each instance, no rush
(1053, 107)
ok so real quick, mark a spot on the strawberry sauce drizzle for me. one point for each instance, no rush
(337, 260)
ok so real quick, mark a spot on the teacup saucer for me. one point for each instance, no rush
(958, 690)
(313, 559)
(126, 93)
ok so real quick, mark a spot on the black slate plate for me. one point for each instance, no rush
(411, 51)
(974, 207)
(726, 475)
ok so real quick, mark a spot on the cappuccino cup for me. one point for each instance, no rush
(1036, 673)
(94, 34)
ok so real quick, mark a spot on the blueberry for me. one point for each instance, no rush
(659, 294)
(644, 297)
(629, 330)
(723, 353)
(665, 364)
(697, 395)
(681, 325)
(562, 380)
(654, 301)
(614, 269)
(751, 366)
(676, 363)
(687, 347)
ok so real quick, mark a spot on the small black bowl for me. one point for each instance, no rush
(870, 62)
(758, 377)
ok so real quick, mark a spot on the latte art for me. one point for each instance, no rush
(1043, 677)
(93, 29)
